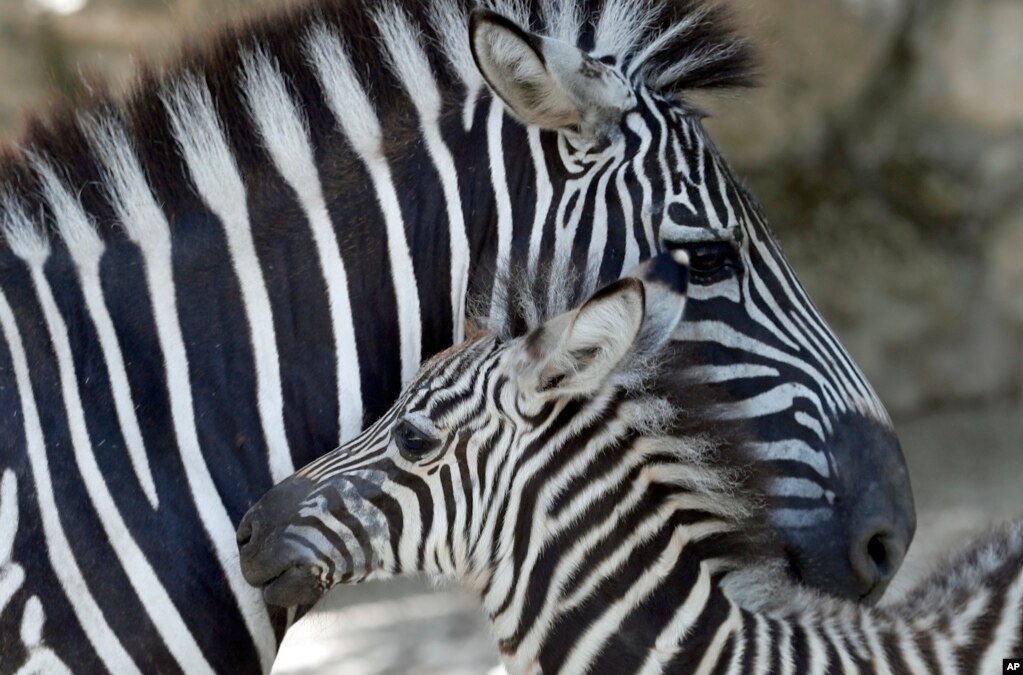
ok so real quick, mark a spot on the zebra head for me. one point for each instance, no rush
(625, 143)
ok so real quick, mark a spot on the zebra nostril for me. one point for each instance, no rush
(874, 558)
(878, 552)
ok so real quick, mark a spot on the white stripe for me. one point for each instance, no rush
(451, 25)
(354, 114)
(726, 336)
(815, 653)
(544, 190)
(86, 249)
(103, 640)
(790, 486)
(218, 181)
(12, 576)
(631, 258)
(793, 518)
(737, 371)
(812, 423)
(794, 450)
(762, 659)
(774, 400)
(909, 650)
(410, 64)
(739, 652)
(831, 632)
(286, 137)
(805, 308)
(566, 224)
(780, 322)
(878, 655)
(147, 226)
(786, 661)
(598, 233)
(502, 198)
(637, 124)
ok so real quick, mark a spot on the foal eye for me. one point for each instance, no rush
(413, 444)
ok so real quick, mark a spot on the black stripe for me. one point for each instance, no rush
(702, 634)
(449, 509)
(423, 498)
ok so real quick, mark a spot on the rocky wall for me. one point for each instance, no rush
(887, 147)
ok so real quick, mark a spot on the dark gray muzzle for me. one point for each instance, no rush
(280, 562)
(856, 553)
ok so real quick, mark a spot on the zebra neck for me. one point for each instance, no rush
(623, 612)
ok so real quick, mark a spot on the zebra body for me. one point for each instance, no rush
(608, 524)
(234, 269)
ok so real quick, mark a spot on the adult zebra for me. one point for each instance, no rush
(240, 264)
(607, 522)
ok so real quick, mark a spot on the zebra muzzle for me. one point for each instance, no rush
(274, 559)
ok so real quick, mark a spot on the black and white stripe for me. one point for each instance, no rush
(605, 527)
(238, 266)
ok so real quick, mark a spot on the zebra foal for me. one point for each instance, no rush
(607, 524)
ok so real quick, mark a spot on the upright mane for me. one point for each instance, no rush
(672, 45)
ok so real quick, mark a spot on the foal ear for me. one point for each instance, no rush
(666, 281)
(576, 352)
(546, 82)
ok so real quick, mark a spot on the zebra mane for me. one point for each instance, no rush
(672, 45)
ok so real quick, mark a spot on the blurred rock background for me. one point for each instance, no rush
(886, 145)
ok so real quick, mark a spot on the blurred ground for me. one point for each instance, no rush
(886, 145)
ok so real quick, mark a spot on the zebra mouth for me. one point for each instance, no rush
(296, 585)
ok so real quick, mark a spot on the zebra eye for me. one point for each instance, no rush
(412, 443)
(708, 260)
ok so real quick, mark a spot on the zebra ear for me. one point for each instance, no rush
(575, 353)
(546, 82)
(666, 281)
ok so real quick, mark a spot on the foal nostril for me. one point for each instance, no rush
(246, 534)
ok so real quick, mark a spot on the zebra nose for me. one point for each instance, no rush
(856, 550)
(878, 513)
